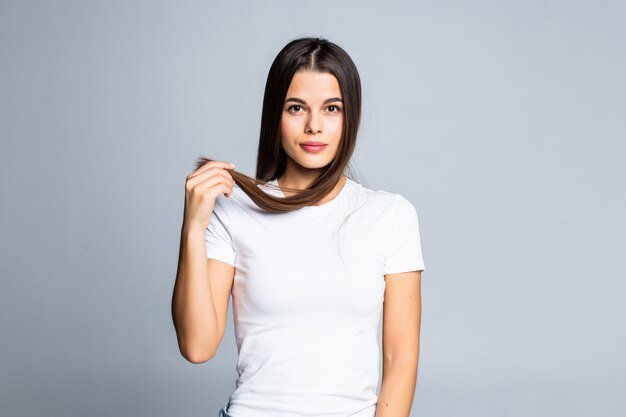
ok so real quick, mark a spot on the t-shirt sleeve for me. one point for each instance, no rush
(217, 238)
(404, 248)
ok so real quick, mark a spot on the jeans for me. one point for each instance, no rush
(223, 412)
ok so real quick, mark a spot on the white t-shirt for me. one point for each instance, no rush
(307, 297)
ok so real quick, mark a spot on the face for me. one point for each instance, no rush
(312, 115)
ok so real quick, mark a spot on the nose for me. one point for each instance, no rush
(314, 123)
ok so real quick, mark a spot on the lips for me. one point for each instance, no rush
(313, 146)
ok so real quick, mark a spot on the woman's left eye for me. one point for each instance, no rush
(336, 107)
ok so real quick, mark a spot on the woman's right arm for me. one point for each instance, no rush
(202, 289)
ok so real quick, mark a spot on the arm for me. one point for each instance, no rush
(202, 289)
(200, 299)
(401, 330)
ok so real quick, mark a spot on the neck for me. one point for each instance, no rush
(301, 183)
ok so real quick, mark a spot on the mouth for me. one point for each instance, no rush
(313, 146)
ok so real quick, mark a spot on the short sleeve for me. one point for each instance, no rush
(218, 240)
(404, 248)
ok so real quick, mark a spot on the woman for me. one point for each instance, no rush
(308, 254)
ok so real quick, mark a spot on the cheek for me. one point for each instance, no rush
(337, 126)
(287, 127)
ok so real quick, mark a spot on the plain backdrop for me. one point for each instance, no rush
(503, 122)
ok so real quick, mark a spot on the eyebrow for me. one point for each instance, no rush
(299, 100)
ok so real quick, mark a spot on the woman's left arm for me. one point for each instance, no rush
(401, 334)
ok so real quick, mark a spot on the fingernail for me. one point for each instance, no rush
(232, 165)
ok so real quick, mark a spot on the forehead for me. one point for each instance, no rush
(311, 85)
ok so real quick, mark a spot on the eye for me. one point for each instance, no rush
(293, 106)
(338, 109)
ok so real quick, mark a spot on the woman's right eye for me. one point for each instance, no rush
(291, 107)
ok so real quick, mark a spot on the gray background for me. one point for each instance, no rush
(503, 122)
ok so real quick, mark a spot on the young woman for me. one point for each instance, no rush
(310, 256)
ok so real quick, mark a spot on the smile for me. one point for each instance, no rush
(313, 148)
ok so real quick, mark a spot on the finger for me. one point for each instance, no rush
(209, 165)
(202, 177)
(211, 179)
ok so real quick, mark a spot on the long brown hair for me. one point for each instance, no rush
(311, 54)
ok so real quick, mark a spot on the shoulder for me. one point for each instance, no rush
(387, 203)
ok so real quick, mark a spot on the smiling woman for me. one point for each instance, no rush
(315, 117)
(310, 257)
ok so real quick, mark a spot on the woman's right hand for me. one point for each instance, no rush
(202, 188)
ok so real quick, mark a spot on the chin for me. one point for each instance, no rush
(312, 164)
